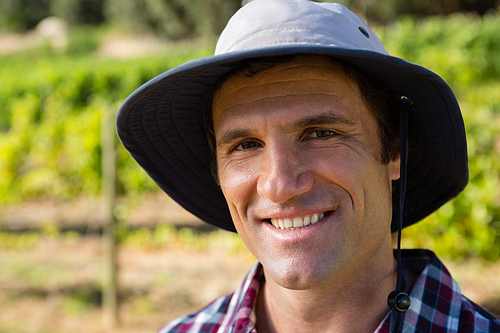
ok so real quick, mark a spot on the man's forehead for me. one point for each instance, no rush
(313, 73)
(304, 65)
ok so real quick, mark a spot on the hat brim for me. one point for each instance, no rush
(162, 125)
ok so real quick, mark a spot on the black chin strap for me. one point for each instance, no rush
(398, 300)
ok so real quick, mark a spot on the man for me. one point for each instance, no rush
(304, 121)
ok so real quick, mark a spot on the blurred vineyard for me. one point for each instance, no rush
(51, 103)
(50, 120)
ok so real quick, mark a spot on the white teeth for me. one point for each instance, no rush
(297, 222)
(307, 220)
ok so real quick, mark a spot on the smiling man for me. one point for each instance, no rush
(299, 179)
(304, 136)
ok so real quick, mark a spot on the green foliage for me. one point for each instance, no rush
(83, 40)
(82, 299)
(173, 19)
(382, 12)
(176, 19)
(20, 15)
(32, 238)
(50, 123)
(463, 50)
(166, 235)
(20, 241)
(79, 11)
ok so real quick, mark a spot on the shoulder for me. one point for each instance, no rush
(206, 320)
(474, 318)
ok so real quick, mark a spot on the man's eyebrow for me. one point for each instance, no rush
(231, 135)
(320, 119)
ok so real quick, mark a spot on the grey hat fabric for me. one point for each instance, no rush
(162, 123)
(264, 24)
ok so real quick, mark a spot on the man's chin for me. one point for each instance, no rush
(295, 274)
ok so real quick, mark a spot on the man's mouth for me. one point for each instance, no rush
(298, 222)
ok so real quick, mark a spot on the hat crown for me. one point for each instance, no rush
(276, 23)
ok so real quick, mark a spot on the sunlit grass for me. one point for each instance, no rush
(163, 236)
(166, 236)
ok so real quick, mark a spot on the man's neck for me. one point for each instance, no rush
(356, 303)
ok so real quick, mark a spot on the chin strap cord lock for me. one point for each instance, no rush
(399, 301)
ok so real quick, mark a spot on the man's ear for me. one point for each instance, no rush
(395, 167)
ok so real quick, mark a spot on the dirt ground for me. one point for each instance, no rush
(54, 285)
(55, 275)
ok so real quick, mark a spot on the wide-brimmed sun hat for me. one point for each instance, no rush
(162, 124)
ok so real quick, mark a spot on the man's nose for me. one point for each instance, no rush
(284, 175)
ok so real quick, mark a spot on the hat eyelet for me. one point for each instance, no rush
(364, 32)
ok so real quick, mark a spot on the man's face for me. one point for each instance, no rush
(297, 146)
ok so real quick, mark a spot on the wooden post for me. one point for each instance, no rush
(110, 285)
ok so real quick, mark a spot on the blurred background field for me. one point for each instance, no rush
(59, 76)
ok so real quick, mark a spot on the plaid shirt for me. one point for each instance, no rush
(437, 305)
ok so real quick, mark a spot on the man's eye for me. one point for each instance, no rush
(321, 134)
(247, 145)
